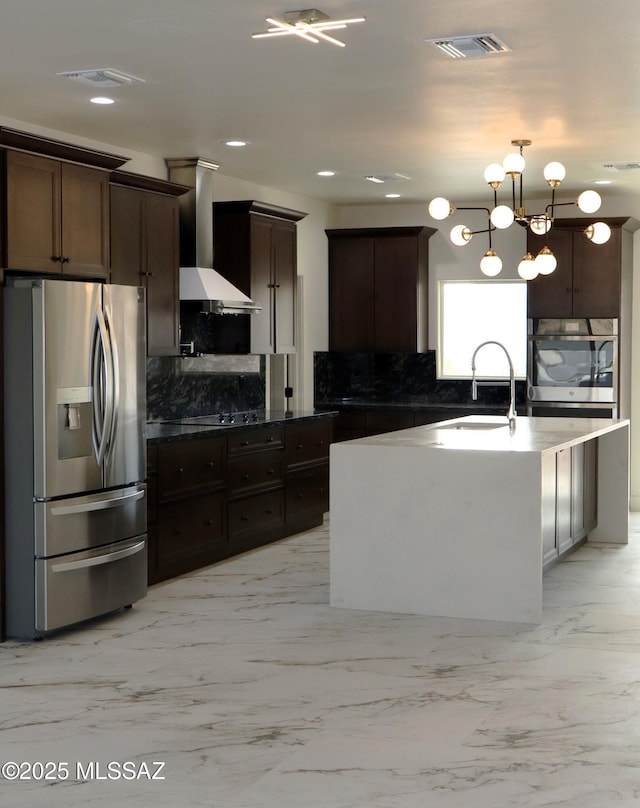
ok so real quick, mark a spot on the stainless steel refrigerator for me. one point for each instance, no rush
(75, 452)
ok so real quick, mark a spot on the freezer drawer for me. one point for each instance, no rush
(89, 521)
(79, 586)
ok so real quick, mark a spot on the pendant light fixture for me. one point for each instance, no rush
(502, 216)
(309, 24)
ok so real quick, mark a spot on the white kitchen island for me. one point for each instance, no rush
(460, 518)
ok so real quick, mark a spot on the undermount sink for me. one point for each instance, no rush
(465, 425)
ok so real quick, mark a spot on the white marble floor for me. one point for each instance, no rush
(254, 693)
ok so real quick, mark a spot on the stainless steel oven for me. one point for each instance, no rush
(572, 367)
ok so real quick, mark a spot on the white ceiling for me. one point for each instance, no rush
(386, 103)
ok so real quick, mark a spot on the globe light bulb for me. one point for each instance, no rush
(554, 173)
(540, 225)
(545, 261)
(501, 217)
(589, 201)
(598, 232)
(527, 268)
(494, 175)
(513, 164)
(491, 263)
(440, 208)
(460, 235)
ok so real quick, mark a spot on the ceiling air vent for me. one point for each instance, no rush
(622, 166)
(101, 77)
(470, 47)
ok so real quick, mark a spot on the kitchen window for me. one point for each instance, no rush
(471, 312)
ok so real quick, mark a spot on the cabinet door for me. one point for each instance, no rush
(284, 252)
(351, 322)
(262, 289)
(395, 301)
(552, 295)
(597, 276)
(33, 213)
(85, 221)
(127, 212)
(161, 265)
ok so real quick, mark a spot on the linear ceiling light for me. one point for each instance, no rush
(309, 24)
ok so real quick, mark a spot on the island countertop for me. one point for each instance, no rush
(462, 517)
(491, 433)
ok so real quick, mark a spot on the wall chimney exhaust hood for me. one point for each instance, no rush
(198, 279)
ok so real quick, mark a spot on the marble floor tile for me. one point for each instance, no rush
(254, 693)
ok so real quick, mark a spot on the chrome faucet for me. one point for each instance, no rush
(511, 414)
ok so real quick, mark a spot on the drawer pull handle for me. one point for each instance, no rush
(300, 496)
(269, 510)
(246, 476)
(180, 470)
(270, 471)
(211, 464)
(245, 443)
(244, 518)
(208, 522)
(270, 440)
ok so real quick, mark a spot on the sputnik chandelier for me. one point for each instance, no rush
(309, 24)
(500, 217)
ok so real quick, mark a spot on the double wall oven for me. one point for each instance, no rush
(572, 367)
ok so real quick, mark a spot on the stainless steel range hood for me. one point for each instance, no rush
(198, 279)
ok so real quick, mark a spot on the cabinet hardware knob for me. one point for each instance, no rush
(211, 464)
(244, 518)
(180, 470)
(577, 289)
(208, 521)
(300, 446)
(568, 290)
(56, 258)
(299, 496)
(178, 532)
(246, 476)
(270, 471)
(269, 510)
(270, 440)
(64, 260)
(245, 443)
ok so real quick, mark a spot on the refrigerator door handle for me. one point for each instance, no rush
(102, 373)
(99, 505)
(95, 561)
(113, 391)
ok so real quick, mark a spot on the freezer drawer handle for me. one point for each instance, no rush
(108, 558)
(99, 505)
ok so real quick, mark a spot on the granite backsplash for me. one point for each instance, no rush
(181, 387)
(397, 378)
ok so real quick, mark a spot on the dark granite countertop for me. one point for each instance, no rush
(165, 432)
(416, 403)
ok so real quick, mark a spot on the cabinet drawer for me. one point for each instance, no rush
(190, 527)
(259, 470)
(308, 442)
(190, 467)
(260, 514)
(307, 492)
(255, 439)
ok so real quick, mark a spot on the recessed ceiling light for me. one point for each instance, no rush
(100, 99)
(236, 143)
(602, 182)
(392, 196)
(326, 173)
(371, 178)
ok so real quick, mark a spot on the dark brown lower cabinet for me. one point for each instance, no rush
(211, 498)
(191, 534)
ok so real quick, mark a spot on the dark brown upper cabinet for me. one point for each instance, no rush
(255, 248)
(378, 289)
